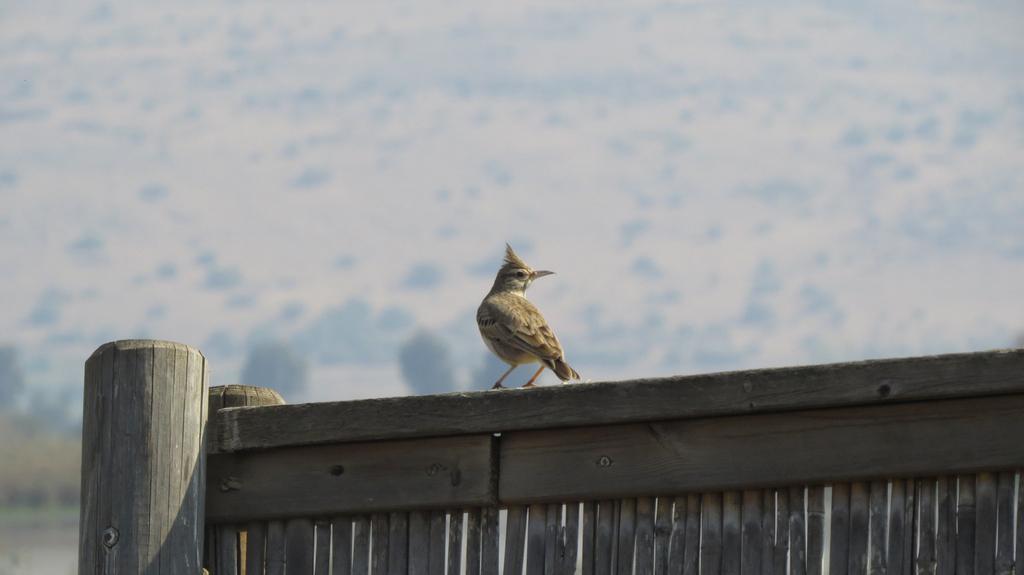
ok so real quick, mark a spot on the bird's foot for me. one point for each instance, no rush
(498, 386)
(529, 384)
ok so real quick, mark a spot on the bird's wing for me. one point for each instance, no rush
(521, 325)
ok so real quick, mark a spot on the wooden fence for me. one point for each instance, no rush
(893, 466)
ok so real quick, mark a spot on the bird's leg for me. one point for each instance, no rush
(497, 384)
(534, 378)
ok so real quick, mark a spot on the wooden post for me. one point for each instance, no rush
(143, 468)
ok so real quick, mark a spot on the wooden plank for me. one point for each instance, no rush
(985, 523)
(322, 556)
(797, 531)
(419, 543)
(1019, 567)
(515, 539)
(438, 528)
(751, 536)
(489, 552)
(210, 548)
(881, 381)
(744, 451)
(858, 528)
(877, 504)
(644, 551)
(711, 534)
(691, 559)
(925, 562)
(626, 535)
(677, 538)
(965, 518)
(298, 545)
(731, 542)
(815, 529)
(1004, 524)
(604, 537)
(897, 529)
(275, 548)
(589, 536)
(341, 546)
(945, 528)
(379, 528)
(839, 539)
(780, 558)
(910, 522)
(570, 540)
(361, 545)
(358, 477)
(227, 550)
(768, 532)
(662, 534)
(255, 549)
(398, 543)
(552, 533)
(473, 538)
(455, 542)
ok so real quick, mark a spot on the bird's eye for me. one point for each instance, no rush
(521, 274)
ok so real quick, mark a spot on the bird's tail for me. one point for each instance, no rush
(563, 370)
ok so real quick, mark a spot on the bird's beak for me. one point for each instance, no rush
(541, 273)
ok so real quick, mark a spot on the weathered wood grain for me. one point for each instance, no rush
(298, 545)
(1004, 524)
(753, 450)
(839, 539)
(341, 546)
(662, 534)
(677, 538)
(473, 538)
(985, 523)
(945, 528)
(895, 556)
(605, 535)
(815, 529)
(751, 535)
(965, 513)
(438, 542)
(858, 553)
(711, 534)
(910, 522)
(552, 536)
(644, 551)
(1019, 567)
(731, 531)
(589, 537)
(255, 548)
(227, 550)
(144, 418)
(379, 529)
(877, 520)
(275, 548)
(780, 557)
(322, 552)
(869, 382)
(797, 531)
(398, 543)
(535, 539)
(455, 542)
(361, 545)
(570, 540)
(515, 539)
(767, 532)
(693, 526)
(925, 562)
(350, 478)
(419, 543)
(489, 552)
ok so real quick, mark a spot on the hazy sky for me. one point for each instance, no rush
(718, 185)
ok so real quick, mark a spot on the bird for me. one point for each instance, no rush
(514, 329)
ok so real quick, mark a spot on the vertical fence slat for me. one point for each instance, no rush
(298, 546)
(472, 542)
(419, 543)
(398, 543)
(878, 501)
(711, 534)
(750, 534)
(965, 511)
(797, 531)
(535, 527)
(361, 546)
(691, 559)
(570, 540)
(815, 529)
(275, 548)
(490, 546)
(227, 550)
(455, 542)
(341, 546)
(910, 524)
(515, 539)
(677, 538)
(732, 542)
(767, 532)
(435, 563)
(858, 553)
(378, 543)
(839, 541)
(627, 532)
(985, 523)
(322, 559)
(210, 547)
(1019, 567)
(552, 531)
(256, 541)
(604, 536)
(644, 536)
(945, 529)
(587, 549)
(894, 563)
(781, 550)
(662, 534)
(1004, 524)
(925, 562)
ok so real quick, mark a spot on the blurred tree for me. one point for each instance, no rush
(488, 372)
(426, 364)
(12, 379)
(276, 365)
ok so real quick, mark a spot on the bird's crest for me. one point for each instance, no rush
(512, 260)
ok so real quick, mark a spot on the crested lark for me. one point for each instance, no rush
(514, 329)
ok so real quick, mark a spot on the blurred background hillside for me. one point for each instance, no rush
(325, 190)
